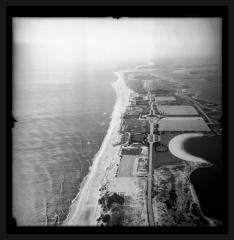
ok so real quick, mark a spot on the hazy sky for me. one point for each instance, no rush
(101, 39)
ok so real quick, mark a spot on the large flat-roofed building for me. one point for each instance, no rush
(177, 110)
(181, 124)
(164, 98)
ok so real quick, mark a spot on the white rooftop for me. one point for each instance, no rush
(196, 124)
(177, 110)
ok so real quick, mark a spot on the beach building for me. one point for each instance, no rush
(183, 124)
(131, 151)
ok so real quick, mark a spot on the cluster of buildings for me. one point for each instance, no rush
(151, 120)
(174, 115)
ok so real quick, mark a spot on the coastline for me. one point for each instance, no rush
(176, 147)
(85, 208)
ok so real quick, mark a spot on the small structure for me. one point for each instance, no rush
(142, 167)
(138, 138)
(131, 151)
(159, 147)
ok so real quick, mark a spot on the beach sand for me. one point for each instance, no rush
(176, 147)
(85, 208)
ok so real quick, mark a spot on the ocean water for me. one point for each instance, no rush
(63, 113)
(205, 86)
(211, 90)
(208, 182)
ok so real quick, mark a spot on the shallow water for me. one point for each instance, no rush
(206, 89)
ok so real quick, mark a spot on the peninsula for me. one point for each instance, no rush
(141, 174)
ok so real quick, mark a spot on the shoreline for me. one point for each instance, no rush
(176, 147)
(84, 208)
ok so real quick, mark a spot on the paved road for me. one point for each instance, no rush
(149, 197)
(151, 140)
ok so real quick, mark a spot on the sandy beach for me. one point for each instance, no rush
(176, 147)
(85, 208)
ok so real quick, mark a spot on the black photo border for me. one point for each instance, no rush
(70, 10)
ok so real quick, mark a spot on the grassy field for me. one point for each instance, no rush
(165, 158)
(126, 166)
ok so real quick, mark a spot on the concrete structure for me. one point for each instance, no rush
(192, 124)
(177, 110)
